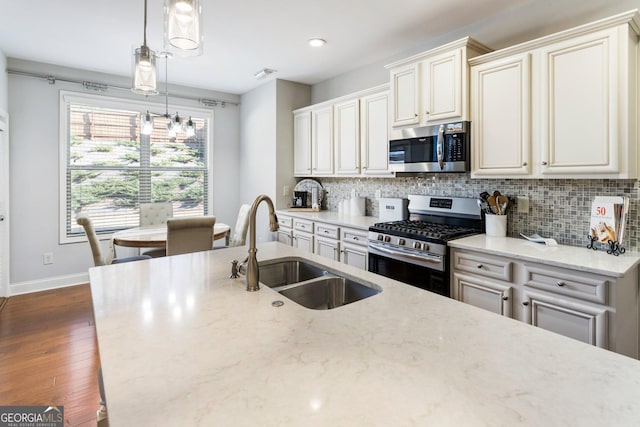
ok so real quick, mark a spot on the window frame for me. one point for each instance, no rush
(101, 101)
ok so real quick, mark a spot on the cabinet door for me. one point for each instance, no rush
(501, 117)
(405, 95)
(302, 144)
(579, 105)
(303, 241)
(374, 134)
(442, 87)
(347, 137)
(328, 248)
(354, 255)
(584, 323)
(322, 141)
(482, 293)
(285, 236)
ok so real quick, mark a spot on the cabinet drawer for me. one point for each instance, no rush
(483, 265)
(327, 230)
(354, 236)
(303, 225)
(570, 283)
(285, 221)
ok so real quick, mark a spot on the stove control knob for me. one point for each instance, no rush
(425, 246)
(416, 245)
(401, 242)
(387, 239)
(380, 237)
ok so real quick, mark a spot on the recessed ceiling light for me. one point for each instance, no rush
(316, 42)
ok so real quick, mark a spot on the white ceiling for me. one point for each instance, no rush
(244, 36)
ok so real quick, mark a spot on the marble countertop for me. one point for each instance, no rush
(183, 344)
(598, 262)
(361, 222)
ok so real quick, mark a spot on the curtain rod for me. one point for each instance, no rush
(101, 87)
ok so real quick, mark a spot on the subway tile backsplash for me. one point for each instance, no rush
(558, 208)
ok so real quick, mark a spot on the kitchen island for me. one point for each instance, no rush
(183, 344)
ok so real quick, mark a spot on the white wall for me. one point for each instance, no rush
(500, 31)
(4, 84)
(33, 107)
(266, 144)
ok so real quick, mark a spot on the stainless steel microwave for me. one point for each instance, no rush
(439, 148)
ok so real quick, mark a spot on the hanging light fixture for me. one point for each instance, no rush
(183, 27)
(175, 123)
(144, 68)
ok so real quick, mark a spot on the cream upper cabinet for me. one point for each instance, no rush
(302, 143)
(374, 134)
(501, 116)
(442, 87)
(563, 106)
(347, 137)
(322, 141)
(433, 87)
(405, 90)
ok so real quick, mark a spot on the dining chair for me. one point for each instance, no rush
(94, 243)
(155, 214)
(239, 236)
(185, 235)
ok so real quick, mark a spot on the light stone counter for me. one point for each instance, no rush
(181, 344)
(361, 222)
(598, 262)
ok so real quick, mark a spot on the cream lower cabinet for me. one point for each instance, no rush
(326, 241)
(303, 234)
(596, 309)
(560, 106)
(285, 230)
(353, 250)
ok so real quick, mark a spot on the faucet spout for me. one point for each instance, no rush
(253, 275)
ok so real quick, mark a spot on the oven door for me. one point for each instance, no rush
(428, 272)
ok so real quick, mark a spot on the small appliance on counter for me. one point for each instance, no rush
(393, 209)
(299, 199)
(307, 195)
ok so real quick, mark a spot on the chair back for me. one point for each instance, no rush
(185, 235)
(94, 243)
(155, 213)
(239, 236)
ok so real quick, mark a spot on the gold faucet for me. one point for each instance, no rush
(252, 262)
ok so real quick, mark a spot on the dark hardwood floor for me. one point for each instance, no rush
(49, 353)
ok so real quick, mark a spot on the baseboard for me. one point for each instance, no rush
(47, 284)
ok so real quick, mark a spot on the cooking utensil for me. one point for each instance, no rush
(491, 200)
(503, 204)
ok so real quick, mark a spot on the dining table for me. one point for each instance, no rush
(155, 236)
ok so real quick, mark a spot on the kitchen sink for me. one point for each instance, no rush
(313, 286)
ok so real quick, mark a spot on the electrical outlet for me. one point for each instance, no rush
(286, 191)
(47, 258)
(523, 204)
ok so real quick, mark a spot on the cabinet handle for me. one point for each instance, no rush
(524, 163)
(505, 298)
(355, 238)
(415, 115)
(544, 163)
(525, 303)
(326, 231)
(560, 283)
(479, 266)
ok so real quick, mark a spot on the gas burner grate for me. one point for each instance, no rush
(422, 229)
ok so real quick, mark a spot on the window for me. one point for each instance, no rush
(108, 168)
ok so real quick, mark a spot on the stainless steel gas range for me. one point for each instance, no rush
(415, 251)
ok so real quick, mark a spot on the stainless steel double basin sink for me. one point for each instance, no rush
(313, 285)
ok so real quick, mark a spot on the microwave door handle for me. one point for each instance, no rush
(440, 147)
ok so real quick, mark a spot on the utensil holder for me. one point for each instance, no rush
(496, 225)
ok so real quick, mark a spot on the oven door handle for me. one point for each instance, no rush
(425, 258)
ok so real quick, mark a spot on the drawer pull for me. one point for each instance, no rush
(355, 238)
(525, 303)
(479, 266)
(326, 231)
(560, 283)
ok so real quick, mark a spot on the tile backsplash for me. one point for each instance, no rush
(558, 208)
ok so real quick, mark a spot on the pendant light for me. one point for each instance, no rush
(183, 27)
(144, 70)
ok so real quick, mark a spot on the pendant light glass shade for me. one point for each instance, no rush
(183, 27)
(144, 71)
(146, 123)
